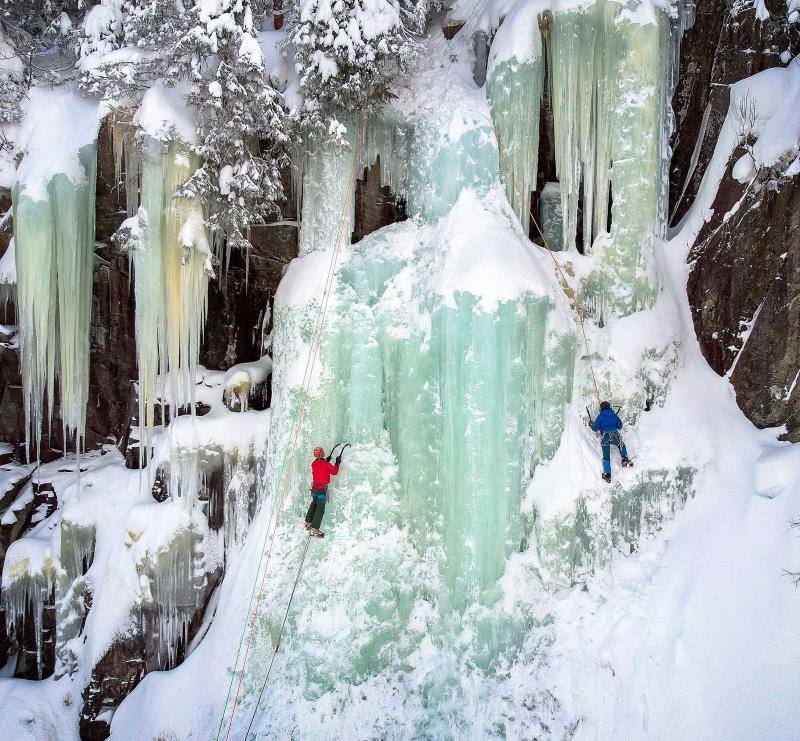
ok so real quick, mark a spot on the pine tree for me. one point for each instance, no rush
(242, 121)
(347, 52)
(243, 126)
(30, 30)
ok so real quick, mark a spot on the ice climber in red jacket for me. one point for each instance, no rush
(321, 471)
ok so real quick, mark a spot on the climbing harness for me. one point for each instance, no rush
(579, 311)
(287, 465)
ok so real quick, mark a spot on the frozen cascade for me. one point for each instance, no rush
(26, 591)
(54, 246)
(429, 372)
(514, 88)
(612, 72)
(611, 84)
(171, 274)
(77, 551)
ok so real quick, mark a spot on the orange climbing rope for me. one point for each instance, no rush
(307, 376)
(579, 312)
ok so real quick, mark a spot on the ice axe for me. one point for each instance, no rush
(330, 455)
(341, 453)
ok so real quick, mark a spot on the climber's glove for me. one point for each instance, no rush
(338, 461)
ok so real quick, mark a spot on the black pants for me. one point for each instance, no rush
(317, 508)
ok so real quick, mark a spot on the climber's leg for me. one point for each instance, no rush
(320, 509)
(606, 445)
(311, 510)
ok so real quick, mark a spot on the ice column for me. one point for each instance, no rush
(170, 279)
(54, 247)
(582, 79)
(26, 590)
(610, 85)
(514, 88)
(327, 195)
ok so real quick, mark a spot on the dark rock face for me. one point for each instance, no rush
(113, 678)
(240, 297)
(746, 269)
(375, 206)
(742, 289)
(726, 44)
(112, 364)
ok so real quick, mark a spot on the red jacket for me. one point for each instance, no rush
(322, 470)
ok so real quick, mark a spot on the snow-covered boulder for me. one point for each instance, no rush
(777, 469)
(247, 382)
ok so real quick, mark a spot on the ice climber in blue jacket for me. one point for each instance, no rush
(609, 424)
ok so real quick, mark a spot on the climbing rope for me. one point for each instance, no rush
(278, 642)
(289, 458)
(579, 311)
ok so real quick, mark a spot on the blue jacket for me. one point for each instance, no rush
(607, 421)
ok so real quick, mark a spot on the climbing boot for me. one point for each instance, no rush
(627, 463)
(314, 533)
(308, 525)
(607, 478)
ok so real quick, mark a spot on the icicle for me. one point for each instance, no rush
(77, 552)
(239, 487)
(174, 592)
(171, 282)
(28, 591)
(8, 279)
(576, 36)
(54, 240)
(390, 143)
(514, 88)
(126, 159)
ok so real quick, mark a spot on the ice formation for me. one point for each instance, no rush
(514, 88)
(171, 274)
(610, 72)
(53, 212)
(447, 360)
(54, 239)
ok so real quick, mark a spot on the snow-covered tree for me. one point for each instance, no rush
(211, 45)
(12, 85)
(30, 31)
(347, 52)
(243, 128)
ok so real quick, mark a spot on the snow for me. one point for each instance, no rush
(507, 271)
(164, 115)
(57, 124)
(764, 106)
(777, 471)
(517, 38)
